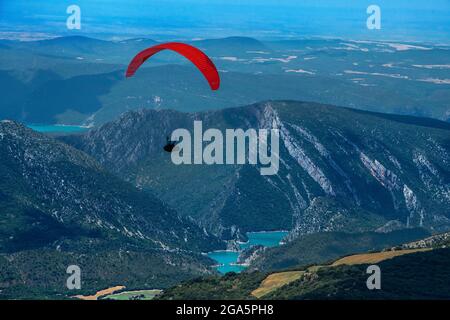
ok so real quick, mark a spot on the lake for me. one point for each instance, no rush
(57, 128)
(227, 259)
(266, 239)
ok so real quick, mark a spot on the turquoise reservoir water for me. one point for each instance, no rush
(227, 259)
(266, 239)
(54, 128)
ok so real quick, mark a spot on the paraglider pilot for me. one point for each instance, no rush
(170, 145)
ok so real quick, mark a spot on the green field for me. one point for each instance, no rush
(134, 295)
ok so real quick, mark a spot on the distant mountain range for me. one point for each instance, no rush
(341, 169)
(79, 80)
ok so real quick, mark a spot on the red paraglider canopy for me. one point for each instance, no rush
(197, 57)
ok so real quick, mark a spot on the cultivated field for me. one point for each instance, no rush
(275, 281)
(369, 258)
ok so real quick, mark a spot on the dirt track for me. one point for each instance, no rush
(101, 293)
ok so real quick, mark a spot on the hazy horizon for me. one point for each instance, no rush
(265, 19)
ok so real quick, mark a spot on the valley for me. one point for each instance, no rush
(107, 199)
(244, 151)
(325, 218)
(91, 182)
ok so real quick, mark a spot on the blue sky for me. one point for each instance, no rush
(415, 20)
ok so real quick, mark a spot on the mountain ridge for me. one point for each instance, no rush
(329, 155)
(72, 189)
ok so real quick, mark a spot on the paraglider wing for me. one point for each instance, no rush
(197, 57)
